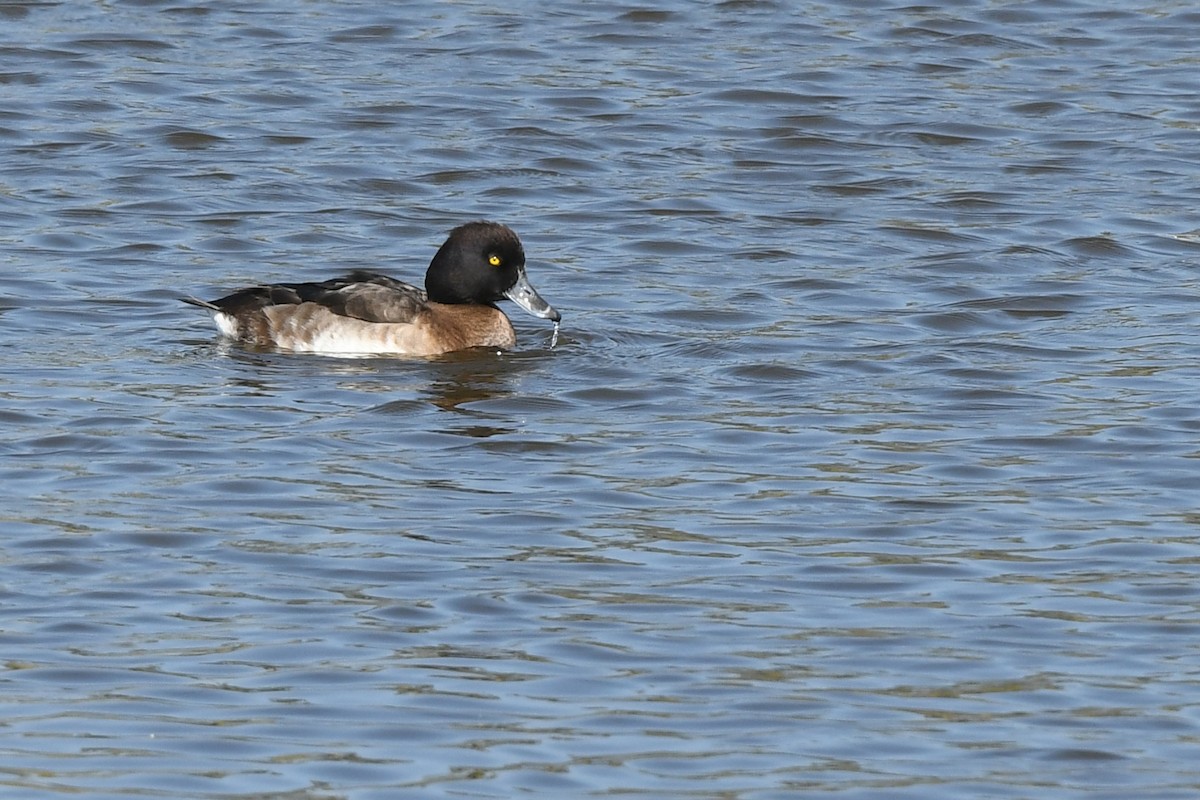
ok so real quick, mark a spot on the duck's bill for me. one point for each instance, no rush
(523, 294)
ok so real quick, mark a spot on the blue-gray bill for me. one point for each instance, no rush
(523, 294)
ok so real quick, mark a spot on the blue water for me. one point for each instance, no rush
(864, 465)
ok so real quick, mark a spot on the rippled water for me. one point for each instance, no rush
(865, 465)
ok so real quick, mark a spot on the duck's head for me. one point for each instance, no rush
(484, 262)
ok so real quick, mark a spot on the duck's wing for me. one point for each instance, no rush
(363, 295)
(367, 296)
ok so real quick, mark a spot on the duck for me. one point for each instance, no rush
(368, 313)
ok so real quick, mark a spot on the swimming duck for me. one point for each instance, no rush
(368, 313)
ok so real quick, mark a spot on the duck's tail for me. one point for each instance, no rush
(196, 301)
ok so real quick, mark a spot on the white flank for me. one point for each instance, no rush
(226, 324)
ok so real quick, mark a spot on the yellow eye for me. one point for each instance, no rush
(494, 260)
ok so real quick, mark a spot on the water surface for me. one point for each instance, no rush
(864, 466)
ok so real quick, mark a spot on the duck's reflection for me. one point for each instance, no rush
(465, 384)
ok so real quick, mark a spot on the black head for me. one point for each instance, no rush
(478, 263)
(483, 262)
